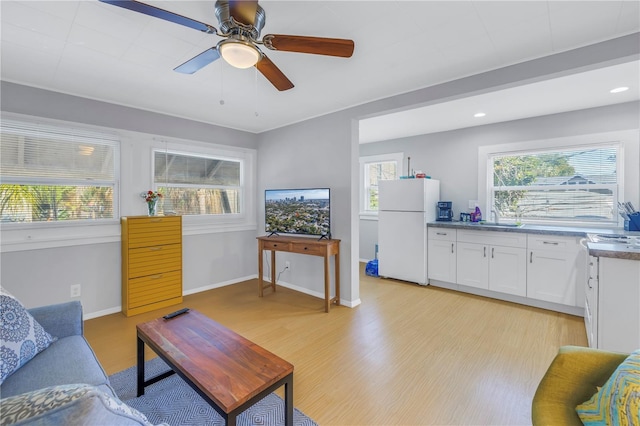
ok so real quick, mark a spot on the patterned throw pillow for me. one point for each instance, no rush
(618, 401)
(68, 404)
(21, 336)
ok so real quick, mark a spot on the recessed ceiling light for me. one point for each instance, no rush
(619, 89)
(479, 114)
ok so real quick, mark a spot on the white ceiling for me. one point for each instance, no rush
(569, 93)
(103, 52)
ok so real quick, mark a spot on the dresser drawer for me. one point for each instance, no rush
(154, 231)
(312, 249)
(155, 259)
(154, 288)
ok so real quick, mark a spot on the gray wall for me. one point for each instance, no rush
(43, 275)
(452, 157)
(315, 153)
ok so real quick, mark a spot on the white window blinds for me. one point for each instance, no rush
(575, 184)
(52, 173)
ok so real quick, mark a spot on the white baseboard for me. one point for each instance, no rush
(218, 285)
(319, 295)
(102, 313)
(566, 309)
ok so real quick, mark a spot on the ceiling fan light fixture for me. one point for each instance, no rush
(238, 53)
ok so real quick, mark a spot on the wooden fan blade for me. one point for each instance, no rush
(273, 74)
(156, 12)
(315, 45)
(243, 11)
(197, 62)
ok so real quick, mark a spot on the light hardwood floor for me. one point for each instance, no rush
(408, 355)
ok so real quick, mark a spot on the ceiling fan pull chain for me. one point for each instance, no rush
(255, 86)
(222, 84)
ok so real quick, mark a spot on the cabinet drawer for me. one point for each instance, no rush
(154, 231)
(316, 250)
(276, 245)
(495, 238)
(552, 242)
(154, 288)
(155, 259)
(443, 234)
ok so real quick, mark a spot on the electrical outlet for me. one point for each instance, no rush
(287, 265)
(75, 290)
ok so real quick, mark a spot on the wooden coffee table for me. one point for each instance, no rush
(230, 372)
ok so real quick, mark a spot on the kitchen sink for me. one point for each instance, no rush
(498, 225)
(621, 239)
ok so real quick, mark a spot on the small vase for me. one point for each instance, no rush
(151, 206)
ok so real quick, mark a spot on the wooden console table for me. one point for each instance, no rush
(301, 245)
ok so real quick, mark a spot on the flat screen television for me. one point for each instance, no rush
(298, 211)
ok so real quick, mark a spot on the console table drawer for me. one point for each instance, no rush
(308, 249)
(276, 245)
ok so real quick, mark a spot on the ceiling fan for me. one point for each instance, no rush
(240, 23)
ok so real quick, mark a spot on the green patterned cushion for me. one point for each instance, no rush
(618, 401)
(21, 336)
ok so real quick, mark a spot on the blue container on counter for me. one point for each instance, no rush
(633, 223)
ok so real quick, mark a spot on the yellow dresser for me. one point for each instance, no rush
(151, 263)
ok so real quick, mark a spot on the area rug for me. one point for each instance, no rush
(173, 401)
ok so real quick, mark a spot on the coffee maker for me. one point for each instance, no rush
(444, 211)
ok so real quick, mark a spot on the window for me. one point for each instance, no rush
(51, 173)
(373, 169)
(194, 184)
(573, 184)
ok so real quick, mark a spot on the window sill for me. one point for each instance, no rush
(24, 238)
(39, 237)
(368, 216)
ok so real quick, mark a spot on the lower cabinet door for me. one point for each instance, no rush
(473, 265)
(550, 276)
(508, 270)
(442, 260)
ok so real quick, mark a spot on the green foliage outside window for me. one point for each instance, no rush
(573, 184)
(46, 203)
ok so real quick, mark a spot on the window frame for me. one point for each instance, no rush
(240, 187)
(627, 175)
(105, 137)
(365, 161)
(208, 223)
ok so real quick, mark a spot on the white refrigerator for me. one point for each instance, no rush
(404, 208)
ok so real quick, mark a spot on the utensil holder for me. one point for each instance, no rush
(633, 223)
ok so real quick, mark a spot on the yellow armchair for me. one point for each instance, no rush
(572, 378)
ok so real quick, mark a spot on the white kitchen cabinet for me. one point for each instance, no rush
(618, 314)
(441, 257)
(553, 268)
(497, 265)
(473, 265)
(508, 270)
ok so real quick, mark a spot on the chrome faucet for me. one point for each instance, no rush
(495, 218)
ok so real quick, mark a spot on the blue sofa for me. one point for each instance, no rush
(65, 383)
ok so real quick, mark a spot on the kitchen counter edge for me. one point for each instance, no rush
(595, 249)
